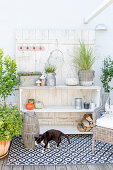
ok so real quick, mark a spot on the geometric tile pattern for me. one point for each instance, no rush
(78, 152)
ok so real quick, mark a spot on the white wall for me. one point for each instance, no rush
(55, 14)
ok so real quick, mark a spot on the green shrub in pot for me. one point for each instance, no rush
(10, 119)
(107, 74)
(85, 60)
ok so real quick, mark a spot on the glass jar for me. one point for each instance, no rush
(78, 103)
(39, 105)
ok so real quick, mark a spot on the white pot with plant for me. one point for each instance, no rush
(85, 60)
(50, 75)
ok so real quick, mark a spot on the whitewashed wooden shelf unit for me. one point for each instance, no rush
(59, 111)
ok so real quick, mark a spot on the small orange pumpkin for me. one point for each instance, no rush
(30, 106)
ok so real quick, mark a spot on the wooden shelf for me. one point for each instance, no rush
(59, 112)
(67, 129)
(59, 109)
(61, 87)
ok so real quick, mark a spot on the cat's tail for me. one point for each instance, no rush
(67, 138)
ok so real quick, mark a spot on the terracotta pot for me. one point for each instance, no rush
(4, 146)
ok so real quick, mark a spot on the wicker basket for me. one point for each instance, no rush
(30, 129)
(86, 77)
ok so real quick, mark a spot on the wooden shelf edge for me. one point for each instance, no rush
(62, 87)
(59, 109)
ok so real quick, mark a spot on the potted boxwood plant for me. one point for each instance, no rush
(50, 74)
(107, 74)
(85, 61)
(28, 78)
(10, 118)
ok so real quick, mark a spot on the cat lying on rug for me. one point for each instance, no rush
(50, 135)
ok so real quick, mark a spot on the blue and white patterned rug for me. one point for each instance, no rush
(78, 152)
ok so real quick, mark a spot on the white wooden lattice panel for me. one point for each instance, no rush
(65, 41)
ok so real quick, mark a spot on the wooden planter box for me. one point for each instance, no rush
(28, 80)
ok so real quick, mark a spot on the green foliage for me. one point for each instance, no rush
(29, 73)
(22, 74)
(10, 118)
(10, 123)
(37, 73)
(85, 58)
(107, 74)
(49, 68)
(8, 79)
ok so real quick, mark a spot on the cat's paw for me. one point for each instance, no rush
(43, 151)
(42, 142)
(22, 140)
(48, 146)
(36, 143)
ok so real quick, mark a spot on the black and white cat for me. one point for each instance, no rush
(50, 135)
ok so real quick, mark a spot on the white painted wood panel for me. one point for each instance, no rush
(64, 40)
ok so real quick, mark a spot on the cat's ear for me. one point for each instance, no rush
(35, 137)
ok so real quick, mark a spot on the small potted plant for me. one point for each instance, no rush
(10, 118)
(50, 75)
(107, 74)
(28, 78)
(85, 60)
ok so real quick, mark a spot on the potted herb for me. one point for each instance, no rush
(85, 61)
(107, 74)
(28, 78)
(10, 119)
(50, 75)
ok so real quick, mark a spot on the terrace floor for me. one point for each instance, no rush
(3, 166)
